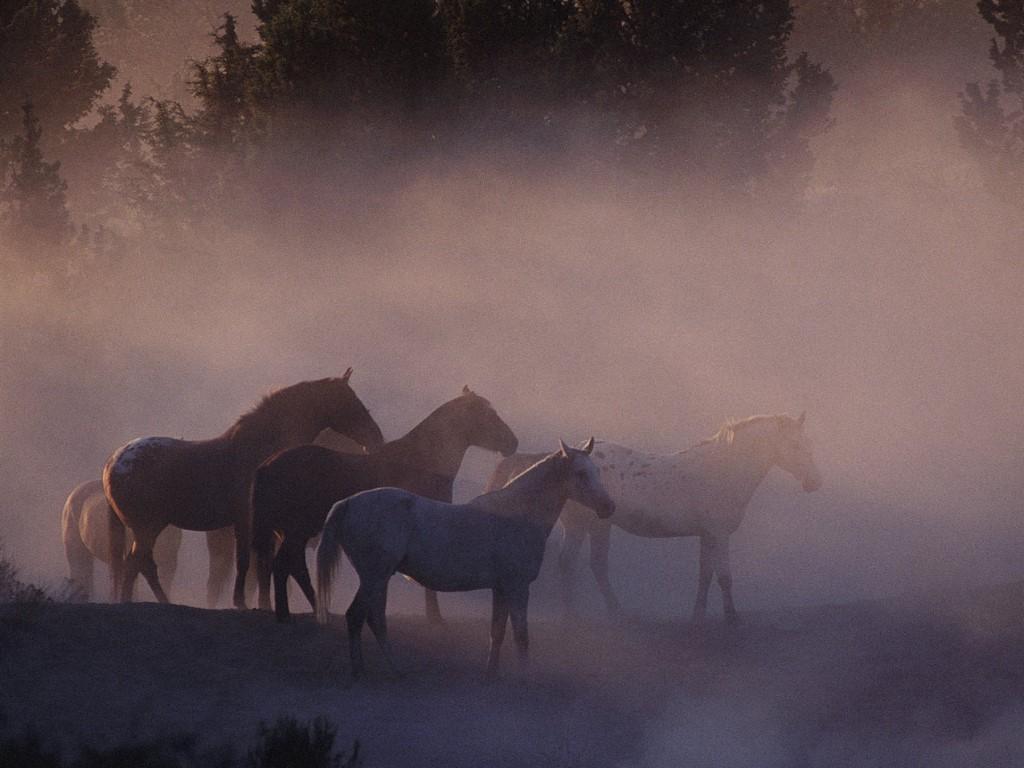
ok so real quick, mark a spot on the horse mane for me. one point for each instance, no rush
(271, 404)
(516, 475)
(726, 434)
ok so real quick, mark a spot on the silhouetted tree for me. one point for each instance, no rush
(34, 206)
(47, 54)
(991, 123)
(224, 86)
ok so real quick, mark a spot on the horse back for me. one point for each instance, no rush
(293, 491)
(196, 485)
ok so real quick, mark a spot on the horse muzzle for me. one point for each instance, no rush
(510, 447)
(606, 510)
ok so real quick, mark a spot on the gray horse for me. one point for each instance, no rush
(496, 542)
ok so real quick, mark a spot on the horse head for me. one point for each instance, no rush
(348, 415)
(483, 427)
(793, 452)
(583, 481)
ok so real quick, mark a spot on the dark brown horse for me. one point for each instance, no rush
(203, 485)
(295, 490)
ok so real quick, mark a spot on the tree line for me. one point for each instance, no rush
(692, 90)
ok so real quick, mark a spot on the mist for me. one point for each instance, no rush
(645, 308)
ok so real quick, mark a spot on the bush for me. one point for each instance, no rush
(291, 744)
(286, 744)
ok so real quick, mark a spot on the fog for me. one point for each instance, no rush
(582, 306)
(642, 308)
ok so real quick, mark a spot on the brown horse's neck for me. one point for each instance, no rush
(258, 435)
(437, 444)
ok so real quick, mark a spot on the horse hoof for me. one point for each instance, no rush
(283, 618)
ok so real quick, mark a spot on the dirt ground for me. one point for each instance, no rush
(936, 683)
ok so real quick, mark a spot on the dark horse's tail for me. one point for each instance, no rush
(117, 538)
(262, 528)
(328, 556)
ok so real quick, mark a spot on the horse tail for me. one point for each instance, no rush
(262, 530)
(328, 555)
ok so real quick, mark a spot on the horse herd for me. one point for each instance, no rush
(265, 487)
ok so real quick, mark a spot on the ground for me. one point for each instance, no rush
(936, 682)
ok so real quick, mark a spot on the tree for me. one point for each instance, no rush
(991, 123)
(47, 55)
(224, 86)
(34, 207)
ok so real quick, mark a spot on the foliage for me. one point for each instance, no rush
(287, 744)
(290, 744)
(991, 123)
(32, 193)
(27, 751)
(47, 56)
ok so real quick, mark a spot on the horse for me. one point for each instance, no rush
(154, 482)
(294, 490)
(701, 491)
(84, 522)
(220, 544)
(496, 542)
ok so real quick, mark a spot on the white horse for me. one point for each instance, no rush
(495, 542)
(84, 522)
(702, 491)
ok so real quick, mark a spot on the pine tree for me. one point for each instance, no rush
(47, 53)
(991, 123)
(33, 194)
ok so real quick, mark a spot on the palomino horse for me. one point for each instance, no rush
(702, 491)
(294, 490)
(84, 523)
(496, 542)
(204, 485)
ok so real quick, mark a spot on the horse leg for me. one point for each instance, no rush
(165, 554)
(600, 542)
(147, 565)
(243, 543)
(517, 603)
(725, 582)
(219, 546)
(499, 619)
(355, 617)
(379, 623)
(432, 607)
(707, 570)
(80, 562)
(572, 541)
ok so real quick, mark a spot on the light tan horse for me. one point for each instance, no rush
(84, 523)
(701, 491)
(205, 485)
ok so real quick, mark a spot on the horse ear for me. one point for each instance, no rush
(347, 375)
(800, 421)
(563, 449)
(588, 446)
(465, 389)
